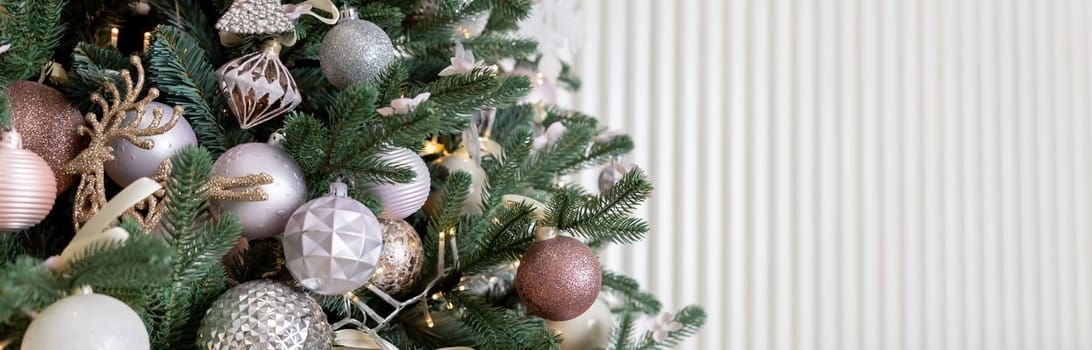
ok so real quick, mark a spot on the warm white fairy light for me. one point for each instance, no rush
(114, 37)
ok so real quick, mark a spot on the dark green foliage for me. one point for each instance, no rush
(92, 69)
(196, 276)
(606, 216)
(5, 110)
(181, 71)
(691, 317)
(192, 18)
(33, 29)
(498, 328)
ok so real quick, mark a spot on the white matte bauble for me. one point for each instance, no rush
(87, 322)
(461, 161)
(401, 200)
(590, 330)
(132, 162)
(263, 219)
(332, 243)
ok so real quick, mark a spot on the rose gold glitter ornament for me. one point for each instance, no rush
(27, 187)
(258, 86)
(401, 258)
(559, 277)
(49, 126)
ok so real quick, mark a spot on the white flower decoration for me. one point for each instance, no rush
(462, 62)
(4, 48)
(662, 325)
(403, 105)
(606, 136)
(552, 134)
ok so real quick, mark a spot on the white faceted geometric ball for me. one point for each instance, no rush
(262, 219)
(332, 243)
(131, 162)
(401, 200)
(89, 322)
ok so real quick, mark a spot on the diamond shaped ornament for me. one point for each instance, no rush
(332, 243)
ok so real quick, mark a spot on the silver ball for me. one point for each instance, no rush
(131, 162)
(401, 200)
(355, 51)
(264, 314)
(266, 218)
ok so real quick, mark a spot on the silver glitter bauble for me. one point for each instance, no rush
(355, 51)
(131, 162)
(401, 200)
(332, 243)
(87, 321)
(401, 259)
(266, 218)
(261, 315)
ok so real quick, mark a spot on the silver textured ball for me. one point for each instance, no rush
(87, 321)
(266, 218)
(402, 257)
(332, 243)
(355, 51)
(401, 200)
(131, 162)
(264, 314)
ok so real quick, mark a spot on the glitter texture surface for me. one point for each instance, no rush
(49, 125)
(401, 259)
(559, 278)
(355, 51)
(255, 17)
(264, 314)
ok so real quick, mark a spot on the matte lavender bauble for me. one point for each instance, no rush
(266, 218)
(132, 162)
(558, 278)
(332, 243)
(401, 200)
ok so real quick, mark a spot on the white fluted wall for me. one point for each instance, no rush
(857, 174)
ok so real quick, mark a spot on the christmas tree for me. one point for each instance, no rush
(357, 174)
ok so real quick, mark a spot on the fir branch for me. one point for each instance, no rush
(623, 330)
(182, 72)
(493, 47)
(500, 329)
(389, 82)
(317, 92)
(628, 288)
(508, 236)
(459, 95)
(513, 119)
(383, 15)
(33, 29)
(5, 109)
(133, 264)
(606, 216)
(691, 317)
(191, 18)
(26, 285)
(506, 14)
(455, 191)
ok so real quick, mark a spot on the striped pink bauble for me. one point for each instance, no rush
(27, 186)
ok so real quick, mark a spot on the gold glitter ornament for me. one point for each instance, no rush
(89, 164)
(49, 126)
(402, 257)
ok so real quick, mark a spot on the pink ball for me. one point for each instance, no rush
(27, 186)
(558, 278)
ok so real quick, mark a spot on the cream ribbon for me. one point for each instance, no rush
(539, 208)
(95, 229)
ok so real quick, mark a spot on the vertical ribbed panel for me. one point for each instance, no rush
(857, 174)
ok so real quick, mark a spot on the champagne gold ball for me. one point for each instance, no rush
(49, 126)
(558, 278)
